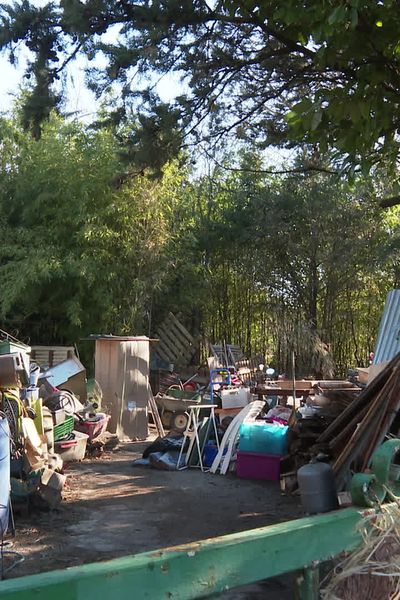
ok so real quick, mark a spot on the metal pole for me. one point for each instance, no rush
(225, 354)
(294, 378)
(309, 583)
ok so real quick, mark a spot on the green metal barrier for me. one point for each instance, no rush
(371, 489)
(199, 569)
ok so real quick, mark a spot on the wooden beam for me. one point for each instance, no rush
(199, 569)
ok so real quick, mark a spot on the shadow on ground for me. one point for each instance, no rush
(113, 508)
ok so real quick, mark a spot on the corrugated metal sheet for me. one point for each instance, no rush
(63, 371)
(69, 375)
(388, 342)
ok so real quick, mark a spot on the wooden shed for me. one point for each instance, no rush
(122, 370)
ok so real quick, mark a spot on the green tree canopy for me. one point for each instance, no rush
(325, 73)
(81, 251)
(269, 262)
(299, 261)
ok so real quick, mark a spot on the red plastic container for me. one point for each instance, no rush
(93, 428)
(251, 465)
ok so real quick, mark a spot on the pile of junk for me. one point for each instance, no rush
(42, 428)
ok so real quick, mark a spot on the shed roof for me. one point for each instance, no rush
(119, 338)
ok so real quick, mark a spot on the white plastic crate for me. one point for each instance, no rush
(235, 397)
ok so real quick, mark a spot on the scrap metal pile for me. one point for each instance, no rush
(327, 403)
(346, 429)
(351, 439)
(44, 424)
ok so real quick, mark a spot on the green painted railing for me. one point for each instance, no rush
(198, 569)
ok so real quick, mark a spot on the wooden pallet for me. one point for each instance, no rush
(176, 345)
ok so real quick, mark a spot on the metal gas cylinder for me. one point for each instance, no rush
(317, 488)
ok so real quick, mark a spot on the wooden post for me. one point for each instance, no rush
(153, 409)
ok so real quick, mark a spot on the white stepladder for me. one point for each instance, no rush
(192, 432)
(247, 414)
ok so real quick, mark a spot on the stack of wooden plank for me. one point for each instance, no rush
(351, 439)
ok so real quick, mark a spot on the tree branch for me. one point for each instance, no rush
(306, 169)
(389, 201)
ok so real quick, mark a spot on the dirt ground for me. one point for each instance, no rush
(113, 508)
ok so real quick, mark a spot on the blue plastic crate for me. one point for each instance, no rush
(210, 452)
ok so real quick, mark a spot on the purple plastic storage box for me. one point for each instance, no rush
(251, 465)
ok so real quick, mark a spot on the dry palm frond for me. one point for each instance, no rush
(373, 571)
(312, 354)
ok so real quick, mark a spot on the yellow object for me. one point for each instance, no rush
(38, 408)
